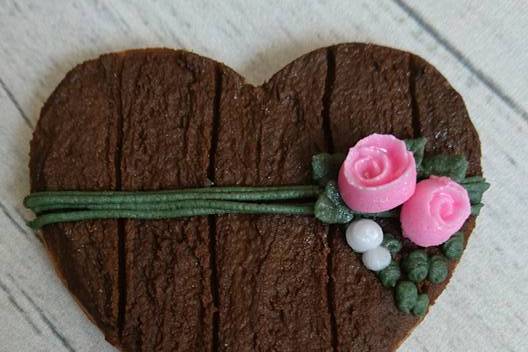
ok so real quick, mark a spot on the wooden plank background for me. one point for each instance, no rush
(480, 46)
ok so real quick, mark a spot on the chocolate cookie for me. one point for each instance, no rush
(159, 119)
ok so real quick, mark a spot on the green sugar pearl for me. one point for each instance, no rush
(454, 246)
(390, 275)
(416, 266)
(421, 305)
(406, 295)
(438, 269)
(391, 243)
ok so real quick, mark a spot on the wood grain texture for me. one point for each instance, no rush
(271, 270)
(485, 306)
(91, 273)
(167, 98)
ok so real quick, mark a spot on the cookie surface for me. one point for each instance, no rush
(163, 119)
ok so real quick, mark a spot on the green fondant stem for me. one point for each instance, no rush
(73, 199)
(224, 207)
(182, 204)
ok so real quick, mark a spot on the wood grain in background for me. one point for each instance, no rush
(480, 46)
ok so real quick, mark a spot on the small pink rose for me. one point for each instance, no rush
(378, 174)
(437, 210)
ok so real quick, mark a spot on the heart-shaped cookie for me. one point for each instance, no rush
(163, 119)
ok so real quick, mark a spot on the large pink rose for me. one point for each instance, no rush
(437, 210)
(378, 174)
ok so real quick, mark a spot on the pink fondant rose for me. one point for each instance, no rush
(437, 210)
(379, 174)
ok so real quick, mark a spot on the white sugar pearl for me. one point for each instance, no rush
(376, 259)
(363, 235)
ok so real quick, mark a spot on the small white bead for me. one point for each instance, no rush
(376, 259)
(363, 235)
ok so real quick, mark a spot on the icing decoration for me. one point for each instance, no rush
(452, 166)
(438, 269)
(391, 243)
(475, 209)
(476, 186)
(421, 305)
(454, 246)
(416, 266)
(363, 235)
(68, 206)
(406, 295)
(330, 209)
(417, 147)
(408, 300)
(378, 174)
(437, 209)
(390, 275)
(376, 259)
(325, 167)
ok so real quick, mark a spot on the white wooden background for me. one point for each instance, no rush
(481, 46)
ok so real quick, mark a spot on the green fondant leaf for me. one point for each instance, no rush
(475, 209)
(438, 269)
(421, 305)
(390, 275)
(406, 295)
(328, 213)
(454, 246)
(416, 266)
(329, 207)
(475, 186)
(325, 167)
(391, 243)
(417, 147)
(332, 192)
(453, 166)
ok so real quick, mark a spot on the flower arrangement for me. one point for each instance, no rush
(382, 176)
